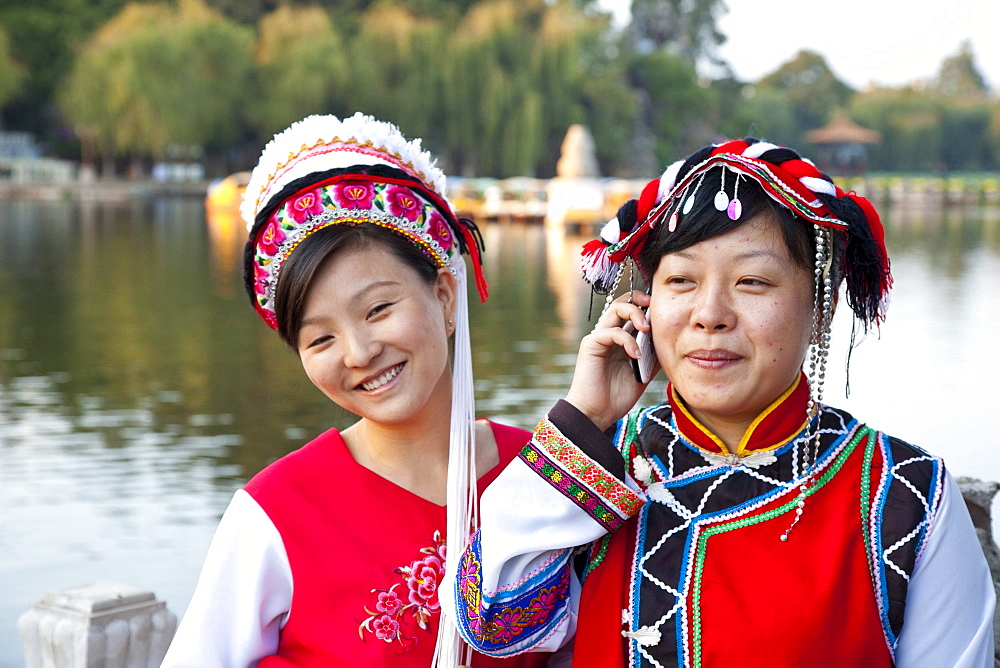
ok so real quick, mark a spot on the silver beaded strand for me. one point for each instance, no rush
(818, 355)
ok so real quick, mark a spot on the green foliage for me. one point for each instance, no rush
(677, 104)
(812, 89)
(763, 112)
(301, 68)
(11, 72)
(959, 76)
(156, 76)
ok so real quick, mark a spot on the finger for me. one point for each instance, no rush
(608, 339)
(620, 312)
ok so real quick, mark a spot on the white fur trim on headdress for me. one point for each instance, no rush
(319, 143)
(758, 149)
(611, 233)
(667, 181)
(818, 185)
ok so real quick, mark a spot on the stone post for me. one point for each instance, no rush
(100, 625)
(978, 495)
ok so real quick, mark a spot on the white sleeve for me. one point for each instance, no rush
(514, 589)
(243, 597)
(948, 620)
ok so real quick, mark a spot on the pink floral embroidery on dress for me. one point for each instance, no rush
(392, 613)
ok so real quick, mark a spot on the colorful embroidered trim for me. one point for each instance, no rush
(568, 487)
(564, 465)
(534, 611)
(351, 202)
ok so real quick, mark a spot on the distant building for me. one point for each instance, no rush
(18, 145)
(21, 162)
(842, 146)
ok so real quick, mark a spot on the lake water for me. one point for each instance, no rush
(138, 389)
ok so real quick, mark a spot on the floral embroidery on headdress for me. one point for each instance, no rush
(351, 201)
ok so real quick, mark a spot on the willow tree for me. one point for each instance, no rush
(302, 68)
(516, 75)
(394, 75)
(158, 75)
(11, 72)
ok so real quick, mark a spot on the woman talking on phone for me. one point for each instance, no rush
(740, 522)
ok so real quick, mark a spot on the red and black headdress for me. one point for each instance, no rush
(792, 181)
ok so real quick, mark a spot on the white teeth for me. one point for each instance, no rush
(383, 379)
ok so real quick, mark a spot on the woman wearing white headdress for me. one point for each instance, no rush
(332, 555)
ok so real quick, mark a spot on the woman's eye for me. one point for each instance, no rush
(752, 282)
(319, 340)
(378, 309)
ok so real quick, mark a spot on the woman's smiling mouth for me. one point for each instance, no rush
(382, 378)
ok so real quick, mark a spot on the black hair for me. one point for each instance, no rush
(301, 266)
(704, 221)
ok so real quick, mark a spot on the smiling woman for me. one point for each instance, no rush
(331, 556)
(741, 521)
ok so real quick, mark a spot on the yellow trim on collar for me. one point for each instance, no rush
(767, 411)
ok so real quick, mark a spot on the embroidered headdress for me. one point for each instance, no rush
(792, 181)
(846, 228)
(324, 171)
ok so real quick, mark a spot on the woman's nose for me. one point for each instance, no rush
(713, 311)
(360, 348)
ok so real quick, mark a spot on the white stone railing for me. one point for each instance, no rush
(112, 625)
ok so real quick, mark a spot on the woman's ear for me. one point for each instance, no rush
(446, 290)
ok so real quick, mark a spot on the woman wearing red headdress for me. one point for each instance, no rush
(332, 555)
(741, 522)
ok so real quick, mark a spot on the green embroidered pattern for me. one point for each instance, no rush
(702, 546)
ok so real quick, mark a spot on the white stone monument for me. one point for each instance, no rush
(100, 625)
(575, 196)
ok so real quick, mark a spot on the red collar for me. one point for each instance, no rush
(777, 424)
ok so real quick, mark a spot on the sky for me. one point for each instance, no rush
(885, 42)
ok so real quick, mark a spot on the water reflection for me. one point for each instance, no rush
(138, 390)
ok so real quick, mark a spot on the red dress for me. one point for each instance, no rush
(366, 557)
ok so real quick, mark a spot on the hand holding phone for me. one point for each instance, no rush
(643, 368)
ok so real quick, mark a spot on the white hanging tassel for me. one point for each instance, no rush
(463, 500)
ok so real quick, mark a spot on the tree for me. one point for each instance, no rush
(909, 121)
(685, 27)
(301, 68)
(674, 106)
(959, 76)
(11, 72)
(813, 90)
(156, 76)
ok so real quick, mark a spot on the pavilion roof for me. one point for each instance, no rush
(842, 130)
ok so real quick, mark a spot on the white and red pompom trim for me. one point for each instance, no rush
(323, 142)
(596, 265)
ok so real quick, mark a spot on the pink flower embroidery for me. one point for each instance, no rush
(403, 203)
(391, 615)
(439, 230)
(355, 194)
(422, 579)
(271, 237)
(305, 206)
(386, 628)
(388, 602)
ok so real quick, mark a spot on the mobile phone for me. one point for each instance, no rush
(644, 368)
